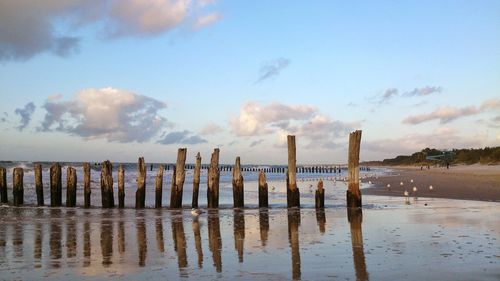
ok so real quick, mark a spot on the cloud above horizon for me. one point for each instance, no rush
(28, 28)
(272, 68)
(108, 113)
(211, 129)
(25, 113)
(181, 137)
(449, 113)
(391, 93)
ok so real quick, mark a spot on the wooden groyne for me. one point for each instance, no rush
(353, 195)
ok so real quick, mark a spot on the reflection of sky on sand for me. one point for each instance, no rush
(434, 242)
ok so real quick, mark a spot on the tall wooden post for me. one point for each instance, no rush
(70, 187)
(213, 176)
(293, 194)
(3, 185)
(238, 194)
(320, 195)
(121, 187)
(159, 186)
(140, 194)
(178, 177)
(86, 185)
(353, 193)
(17, 186)
(263, 196)
(108, 200)
(196, 181)
(39, 185)
(55, 185)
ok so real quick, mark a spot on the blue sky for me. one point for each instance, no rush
(94, 80)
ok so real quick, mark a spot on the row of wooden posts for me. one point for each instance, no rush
(281, 170)
(353, 195)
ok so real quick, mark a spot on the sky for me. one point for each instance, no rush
(89, 80)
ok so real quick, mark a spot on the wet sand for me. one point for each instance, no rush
(474, 182)
(431, 239)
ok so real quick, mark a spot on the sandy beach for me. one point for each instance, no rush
(473, 182)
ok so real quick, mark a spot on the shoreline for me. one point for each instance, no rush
(464, 182)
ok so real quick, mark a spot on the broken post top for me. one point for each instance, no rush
(292, 161)
(320, 185)
(353, 157)
(214, 160)
(237, 169)
(262, 178)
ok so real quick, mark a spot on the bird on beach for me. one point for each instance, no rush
(411, 180)
(388, 186)
(430, 188)
(406, 194)
(415, 192)
(273, 188)
(196, 212)
(401, 183)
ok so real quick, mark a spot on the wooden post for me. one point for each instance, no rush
(55, 185)
(108, 200)
(159, 186)
(320, 195)
(263, 197)
(17, 186)
(39, 184)
(213, 176)
(70, 187)
(238, 195)
(293, 194)
(178, 177)
(140, 194)
(121, 187)
(3, 185)
(86, 185)
(196, 181)
(353, 194)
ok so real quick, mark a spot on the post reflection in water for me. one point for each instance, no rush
(355, 217)
(121, 235)
(321, 219)
(86, 243)
(293, 238)
(159, 235)
(18, 236)
(71, 237)
(239, 232)
(179, 239)
(141, 241)
(264, 226)
(55, 238)
(214, 239)
(38, 239)
(197, 241)
(106, 240)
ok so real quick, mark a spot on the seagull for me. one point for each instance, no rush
(415, 193)
(196, 212)
(411, 180)
(414, 189)
(430, 188)
(406, 193)
(273, 188)
(369, 182)
(401, 183)
(388, 185)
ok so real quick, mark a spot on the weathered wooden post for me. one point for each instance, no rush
(70, 187)
(353, 193)
(178, 177)
(140, 194)
(238, 195)
(159, 186)
(121, 187)
(292, 192)
(213, 176)
(55, 185)
(3, 185)
(108, 200)
(17, 186)
(263, 197)
(39, 184)
(196, 181)
(86, 185)
(320, 195)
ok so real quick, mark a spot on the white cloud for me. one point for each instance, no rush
(181, 137)
(206, 20)
(109, 113)
(211, 129)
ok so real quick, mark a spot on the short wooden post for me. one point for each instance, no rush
(159, 186)
(178, 177)
(238, 194)
(55, 185)
(86, 185)
(293, 194)
(70, 187)
(39, 184)
(3, 185)
(213, 176)
(121, 187)
(140, 194)
(320, 195)
(353, 194)
(196, 181)
(17, 186)
(263, 196)
(108, 200)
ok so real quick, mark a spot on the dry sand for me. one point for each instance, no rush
(474, 182)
